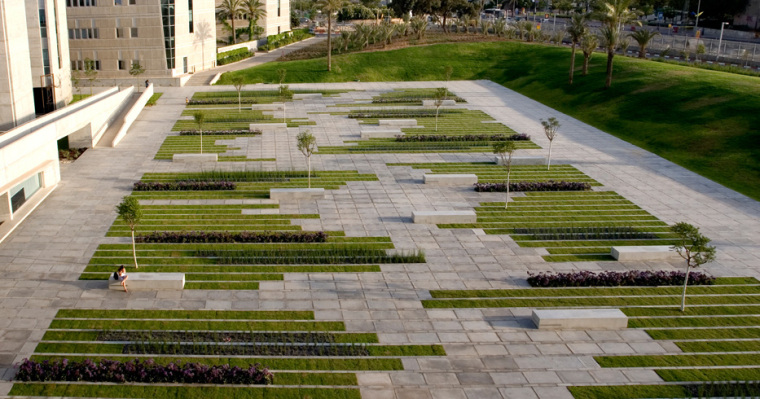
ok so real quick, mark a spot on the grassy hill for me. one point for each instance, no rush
(706, 121)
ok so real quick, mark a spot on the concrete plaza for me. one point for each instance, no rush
(492, 353)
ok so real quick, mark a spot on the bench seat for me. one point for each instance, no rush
(296, 194)
(579, 319)
(450, 179)
(150, 282)
(444, 217)
(644, 252)
(397, 122)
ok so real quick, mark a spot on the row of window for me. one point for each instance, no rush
(79, 65)
(94, 3)
(94, 33)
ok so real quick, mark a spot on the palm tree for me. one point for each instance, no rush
(577, 29)
(329, 7)
(589, 43)
(230, 9)
(615, 14)
(253, 10)
(643, 37)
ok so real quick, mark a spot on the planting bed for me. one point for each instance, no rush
(227, 99)
(305, 358)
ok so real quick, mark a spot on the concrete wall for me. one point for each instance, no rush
(16, 95)
(272, 22)
(56, 43)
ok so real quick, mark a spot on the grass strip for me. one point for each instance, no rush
(693, 311)
(743, 374)
(171, 267)
(588, 302)
(65, 335)
(707, 321)
(198, 325)
(628, 391)
(594, 291)
(719, 346)
(185, 314)
(219, 285)
(165, 392)
(705, 333)
(654, 361)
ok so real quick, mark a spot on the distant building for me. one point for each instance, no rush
(168, 38)
(34, 60)
(750, 17)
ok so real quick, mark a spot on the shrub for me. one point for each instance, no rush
(285, 38)
(231, 56)
(400, 113)
(142, 372)
(466, 137)
(533, 186)
(71, 154)
(228, 237)
(615, 279)
(220, 132)
(184, 185)
(412, 99)
(586, 233)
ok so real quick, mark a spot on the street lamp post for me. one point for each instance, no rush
(696, 22)
(720, 40)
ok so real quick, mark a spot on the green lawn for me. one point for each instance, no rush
(703, 120)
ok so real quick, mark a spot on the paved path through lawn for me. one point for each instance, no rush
(492, 353)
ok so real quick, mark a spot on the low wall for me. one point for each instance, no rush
(250, 45)
(133, 113)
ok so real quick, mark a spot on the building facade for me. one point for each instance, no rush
(34, 60)
(750, 17)
(168, 39)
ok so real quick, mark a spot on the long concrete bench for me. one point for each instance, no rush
(397, 122)
(521, 161)
(269, 127)
(444, 103)
(444, 217)
(189, 158)
(580, 319)
(450, 179)
(268, 107)
(150, 282)
(644, 253)
(301, 96)
(296, 194)
(381, 133)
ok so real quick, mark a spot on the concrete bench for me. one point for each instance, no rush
(397, 122)
(381, 133)
(579, 319)
(644, 253)
(301, 96)
(269, 127)
(189, 158)
(296, 194)
(444, 103)
(150, 282)
(450, 179)
(268, 107)
(522, 161)
(444, 217)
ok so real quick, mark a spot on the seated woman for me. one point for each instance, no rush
(121, 276)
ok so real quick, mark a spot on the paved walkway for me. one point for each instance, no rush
(492, 353)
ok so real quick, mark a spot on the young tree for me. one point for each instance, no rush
(254, 10)
(230, 9)
(76, 81)
(643, 37)
(615, 14)
(550, 128)
(329, 7)
(307, 143)
(238, 81)
(136, 70)
(694, 248)
(505, 150)
(588, 45)
(90, 72)
(577, 29)
(199, 117)
(439, 96)
(130, 212)
(447, 72)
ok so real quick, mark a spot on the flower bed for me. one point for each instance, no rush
(71, 154)
(220, 132)
(398, 114)
(233, 56)
(466, 137)
(411, 99)
(533, 186)
(615, 279)
(184, 185)
(145, 371)
(228, 237)
(586, 233)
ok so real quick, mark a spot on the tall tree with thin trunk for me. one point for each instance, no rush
(505, 150)
(307, 143)
(643, 37)
(439, 96)
(199, 117)
(253, 10)
(577, 29)
(238, 81)
(550, 128)
(694, 248)
(329, 7)
(589, 43)
(230, 9)
(614, 15)
(90, 72)
(130, 212)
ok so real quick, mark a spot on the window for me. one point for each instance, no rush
(81, 3)
(122, 65)
(190, 16)
(117, 2)
(22, 192)
(278, 8)
(167, 18)
(132, 2)
(71, 34)
(133, 32)
(119, 33)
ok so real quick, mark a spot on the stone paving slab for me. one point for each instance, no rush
(491, 352)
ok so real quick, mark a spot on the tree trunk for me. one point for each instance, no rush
(610, 55)
(201, 132)
(329, 42)
(134, 250)
(685, 283)
(549, 163)
(572, 63)
(506, 203)
(436, 117)
(308, 161)
(239, 106)
(585, 64)
(232, 23)
(643, 51)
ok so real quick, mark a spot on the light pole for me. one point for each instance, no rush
(696, 22)
(720, 40)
